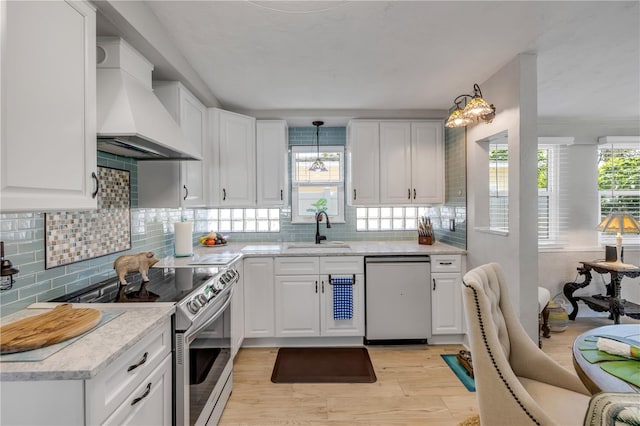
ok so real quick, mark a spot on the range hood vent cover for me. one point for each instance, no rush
(132, 121)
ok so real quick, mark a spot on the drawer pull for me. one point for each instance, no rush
(142, 361)
(143, 396)
(94, 194)
(446, 263)
(434, 284)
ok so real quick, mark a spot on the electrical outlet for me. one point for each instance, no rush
(452, 225)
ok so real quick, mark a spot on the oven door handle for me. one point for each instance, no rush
(214, 317)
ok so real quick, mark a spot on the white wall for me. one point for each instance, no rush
(512, 90)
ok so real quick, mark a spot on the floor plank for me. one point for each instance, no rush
(414, 387)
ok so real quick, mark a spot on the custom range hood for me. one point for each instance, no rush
(131, 120)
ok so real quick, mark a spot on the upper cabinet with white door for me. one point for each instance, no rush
(395, 162)
(412, 162)
(177, 183)
(233, 158)
(363, 159)
(272, 140)
(48, 107)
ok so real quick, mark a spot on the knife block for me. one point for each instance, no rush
(425, 240)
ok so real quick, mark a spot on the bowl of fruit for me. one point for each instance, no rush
(212, 239)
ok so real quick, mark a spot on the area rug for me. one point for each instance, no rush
(473, 420)
(323, 365)
(460, 372)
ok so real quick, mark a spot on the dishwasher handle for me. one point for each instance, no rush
(396, 259)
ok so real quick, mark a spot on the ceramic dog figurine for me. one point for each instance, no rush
(140, 262)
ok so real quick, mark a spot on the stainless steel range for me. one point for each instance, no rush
(202, 340)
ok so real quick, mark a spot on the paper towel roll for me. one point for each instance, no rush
(183, 240)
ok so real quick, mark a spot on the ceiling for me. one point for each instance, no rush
(338, 59)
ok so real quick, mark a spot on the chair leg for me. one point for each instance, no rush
(546, 331)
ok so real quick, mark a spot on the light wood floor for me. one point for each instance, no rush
(414, 387)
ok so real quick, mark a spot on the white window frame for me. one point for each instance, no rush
(610, 238)
(552, 192)
(500, 192)
(297, 218)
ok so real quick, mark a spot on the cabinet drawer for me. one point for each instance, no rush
(446, 263)
(150, 402)
(342, 265)
(297, 266)
(109, 389)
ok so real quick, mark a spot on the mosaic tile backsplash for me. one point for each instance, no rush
(81, 235)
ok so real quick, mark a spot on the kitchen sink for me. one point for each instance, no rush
(330, 246)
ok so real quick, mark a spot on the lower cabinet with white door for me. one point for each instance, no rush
(304, 296)
(446, 295)
(133, 389)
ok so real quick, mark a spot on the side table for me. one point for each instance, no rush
(612, 302)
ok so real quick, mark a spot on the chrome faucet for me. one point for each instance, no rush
(318, 219)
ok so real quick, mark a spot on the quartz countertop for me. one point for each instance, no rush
(330, 248)
(93, 351)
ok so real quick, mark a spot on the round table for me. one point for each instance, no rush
(594, 377)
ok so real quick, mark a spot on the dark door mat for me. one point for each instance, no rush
(323, 365)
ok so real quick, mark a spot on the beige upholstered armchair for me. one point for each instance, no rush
(516, 383)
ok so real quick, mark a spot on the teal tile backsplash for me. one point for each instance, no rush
(152, 229)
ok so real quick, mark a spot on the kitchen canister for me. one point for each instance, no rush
(558, 317)
(183, 239)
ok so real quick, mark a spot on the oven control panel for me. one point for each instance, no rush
(202, 297)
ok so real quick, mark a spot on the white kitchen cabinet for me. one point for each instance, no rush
(363, 163)
(395, 162)
(150, 402)
(272, 140)
(233, 154)
(177, 183)
(259, 310)
(412, 162)
(446, 294)
(48, 108)
(237, 316)
(116, 395)
(304, 296)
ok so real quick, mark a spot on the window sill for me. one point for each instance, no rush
(492, 231)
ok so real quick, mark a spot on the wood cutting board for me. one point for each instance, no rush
(61, 323)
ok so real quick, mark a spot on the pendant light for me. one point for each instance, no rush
(318, 165)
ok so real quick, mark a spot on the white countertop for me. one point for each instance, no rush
(93, 351)
(355, 248)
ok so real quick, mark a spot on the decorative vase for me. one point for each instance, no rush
(558, 317)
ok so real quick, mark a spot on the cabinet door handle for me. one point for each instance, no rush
(354, 195)
(186, 192)
(224, 194)
(323, 286)
(143, 396)
(434, 284)
(281, 195)
(94, 194)
(414, 193)
(316, 286)
(142, 361)
(408, 193)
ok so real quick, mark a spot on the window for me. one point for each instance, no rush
(389, 218)
(238, 220)
(619, 184)
(498, 187)
(552, 196)
(316, 191)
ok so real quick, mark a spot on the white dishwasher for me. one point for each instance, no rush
(398, 299)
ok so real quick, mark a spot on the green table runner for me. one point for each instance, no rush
(623, 368)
